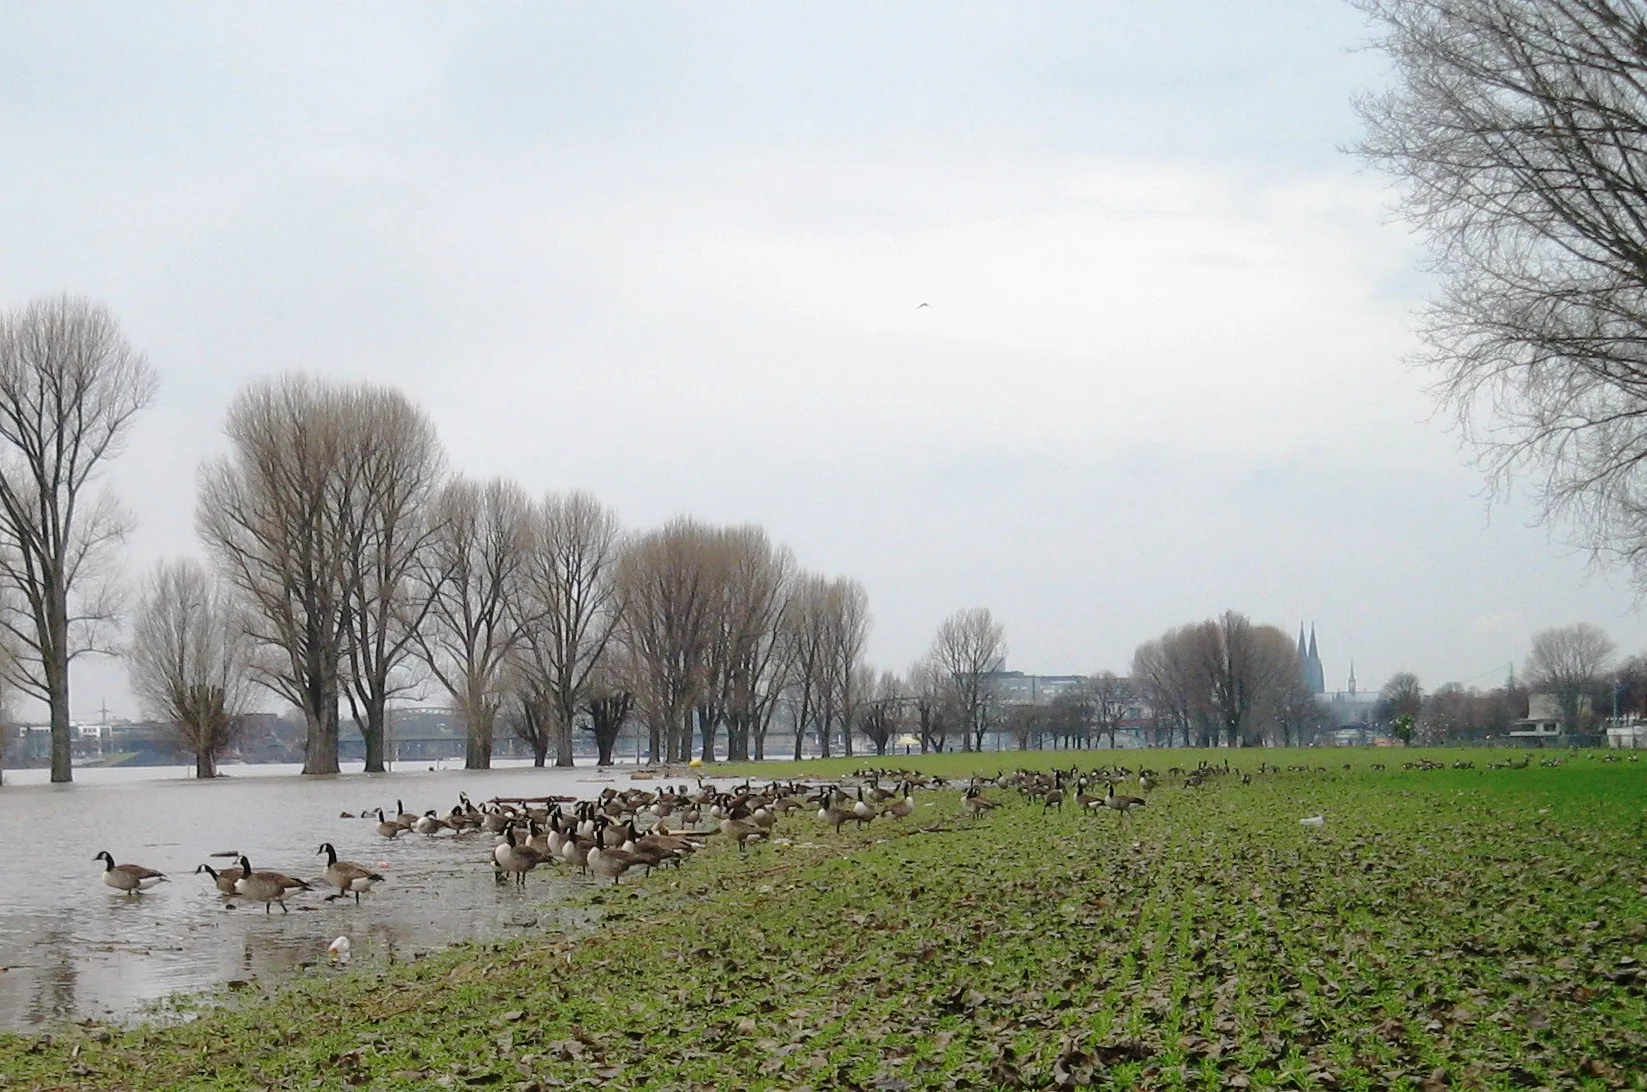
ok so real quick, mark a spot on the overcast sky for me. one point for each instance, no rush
(674, 254)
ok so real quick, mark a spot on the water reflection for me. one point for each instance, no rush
(73, 948)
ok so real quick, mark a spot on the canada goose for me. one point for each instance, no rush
(1055, 795)
(611, 861)
(348, 877)
(267, 887)
(902, 805)
(975, 804)
(404, 817)
(130, 878)
(862, 810)
(386, 828)
(225, 878)
(838, 813)
(429, 823)
(743, 830)
(1122, 804)
(514, 858)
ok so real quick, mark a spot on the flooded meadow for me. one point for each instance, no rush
(72, 948)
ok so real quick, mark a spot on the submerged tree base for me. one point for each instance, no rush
(1478, 927)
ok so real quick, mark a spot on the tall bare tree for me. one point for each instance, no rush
(932, 702)
(805, 637)
(1519, 131)
(608, 699)
(69, 387)
(190, 659)
(1566, 662)
(568, 608)
(756, 596)
(847, 630)
(882, 717)
(275, 513)
(970, 647)
(472, 572)
(397, 464)
(668, 603)
(1112, 696)
(1243, 667)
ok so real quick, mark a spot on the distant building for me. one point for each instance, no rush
(1309, 663)
(1542, 722)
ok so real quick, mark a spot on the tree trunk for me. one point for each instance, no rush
(205, 763)
(56, 667)
(372, 733)
(320, 745)
(62, 754)
(562, 727)
(540, 750)
(478, 719)
(708, 723)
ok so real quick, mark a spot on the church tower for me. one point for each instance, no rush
(1315, 680)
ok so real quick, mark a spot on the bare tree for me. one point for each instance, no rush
(969, 648)
(1400, 696)
(805, 638)
(883, 714)
(1519, 129)
(1074, 714)
(69, 387)
(568, 611)
(1159, 672)
(668, 605)
(846, 631)
(932, 699)
(1296, 713)
(608, 699)
(396, 464)
(756, 595)
(472, 572)
(190, 659)
(1112, 696)
(275, 513)
(1566, 662)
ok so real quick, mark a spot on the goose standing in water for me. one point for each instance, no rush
(223, 878)
(267, 887)
(348, 877)
(130, 878)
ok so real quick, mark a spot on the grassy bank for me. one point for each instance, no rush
(1479, 927)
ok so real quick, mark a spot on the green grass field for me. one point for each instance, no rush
(1478, 928)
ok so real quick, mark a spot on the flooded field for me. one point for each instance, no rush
(73, 948)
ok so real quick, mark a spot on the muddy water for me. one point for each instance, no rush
(73, 948)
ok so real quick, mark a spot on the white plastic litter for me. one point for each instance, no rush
(1313, 821)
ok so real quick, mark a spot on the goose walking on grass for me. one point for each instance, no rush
(975, 804)
(129, 878)
(267, 887)
(1121, 803)
(349, 878)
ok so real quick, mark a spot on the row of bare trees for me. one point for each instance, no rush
(348, 569)
(1225, 680)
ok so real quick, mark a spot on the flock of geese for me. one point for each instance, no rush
(605, 837)
(618, 831)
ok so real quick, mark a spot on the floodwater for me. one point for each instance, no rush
(72, 947)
